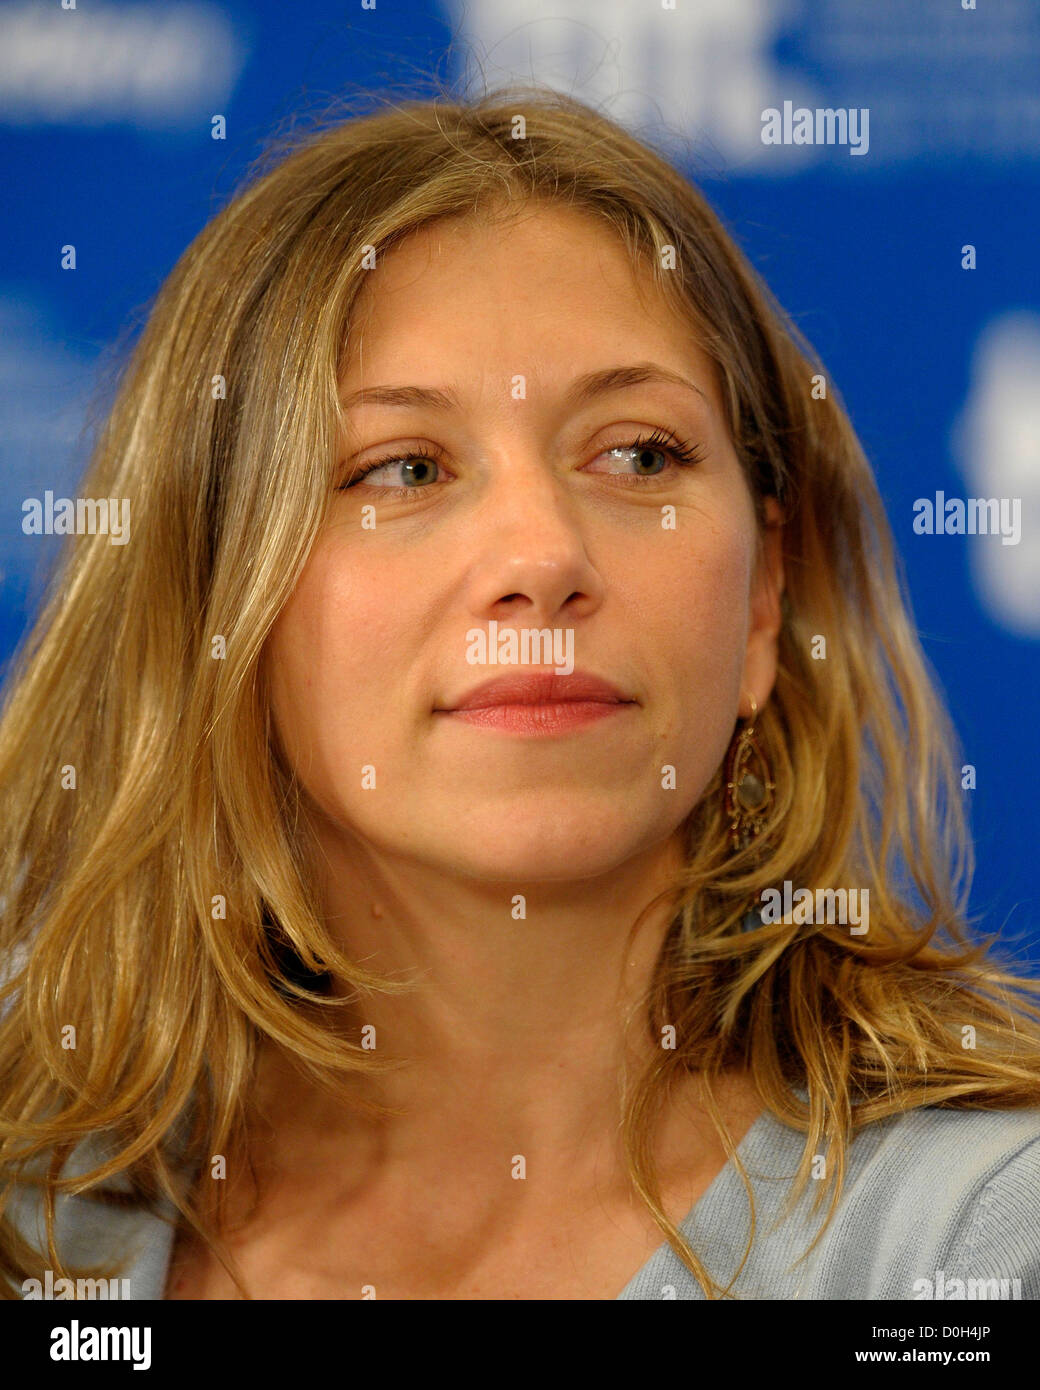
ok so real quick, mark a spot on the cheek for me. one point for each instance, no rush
(290, 678)
(309, 652)
(336, 650)
(703, 587)
(698, 629)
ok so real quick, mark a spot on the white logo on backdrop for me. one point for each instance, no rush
(996, 442)
(701, 69)
(694, 77)
(153, 65)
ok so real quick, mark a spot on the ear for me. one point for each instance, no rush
(766, 615)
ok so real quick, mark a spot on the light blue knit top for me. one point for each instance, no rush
(937, 1204)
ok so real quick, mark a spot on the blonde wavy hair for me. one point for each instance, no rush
(108, 890)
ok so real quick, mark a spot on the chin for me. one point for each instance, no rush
(548, 855)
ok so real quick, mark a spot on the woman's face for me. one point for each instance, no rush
(531, 512)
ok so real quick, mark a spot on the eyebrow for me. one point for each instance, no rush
(582, 389)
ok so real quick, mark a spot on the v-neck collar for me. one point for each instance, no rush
(766, 1141)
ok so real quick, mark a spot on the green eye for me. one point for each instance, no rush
(424, 469)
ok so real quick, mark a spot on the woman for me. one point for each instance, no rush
(398, 822)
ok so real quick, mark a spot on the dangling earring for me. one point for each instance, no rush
(749, 799)
(749, 785)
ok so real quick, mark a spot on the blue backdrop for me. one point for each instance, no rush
(106, 117)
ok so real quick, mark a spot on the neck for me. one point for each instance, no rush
(526, 1018)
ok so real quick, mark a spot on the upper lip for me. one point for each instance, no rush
(539, 688)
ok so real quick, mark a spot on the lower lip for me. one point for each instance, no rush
(540, 719)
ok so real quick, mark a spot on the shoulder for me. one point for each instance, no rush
(937, 1203)
(127, 1246)
(948, 1156)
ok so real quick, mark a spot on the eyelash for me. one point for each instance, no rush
(684, 454)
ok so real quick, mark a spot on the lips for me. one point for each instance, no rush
(540, 688)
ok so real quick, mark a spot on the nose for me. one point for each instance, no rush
(530, 558)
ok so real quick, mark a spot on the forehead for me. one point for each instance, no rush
(537, 237)
(546, 280)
